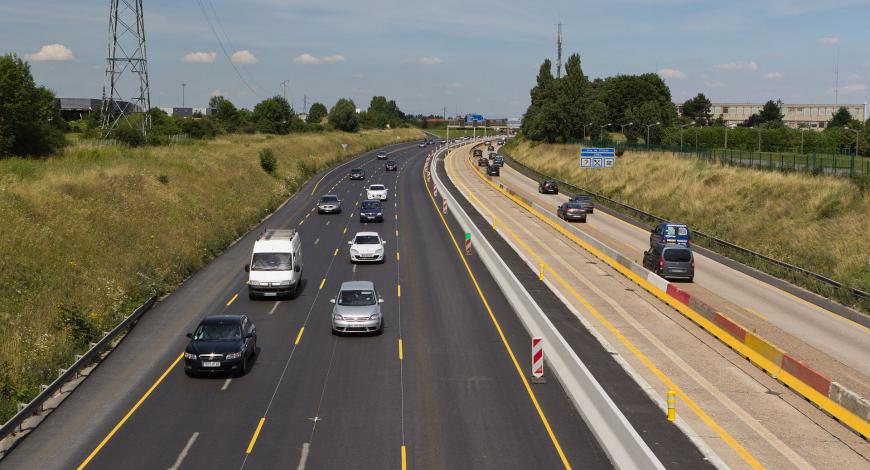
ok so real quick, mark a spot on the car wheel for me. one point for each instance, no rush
(691, 279)
(244, 369)
(251, 296)
(556, 192)
(189, 373)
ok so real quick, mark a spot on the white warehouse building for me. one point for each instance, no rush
(813, 116)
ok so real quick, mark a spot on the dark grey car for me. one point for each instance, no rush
(570, 211)
(670, 262)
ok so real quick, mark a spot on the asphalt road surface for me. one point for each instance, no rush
(438, 389)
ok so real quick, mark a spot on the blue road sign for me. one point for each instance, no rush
(473, 118)
(597, 157)
(597, 152)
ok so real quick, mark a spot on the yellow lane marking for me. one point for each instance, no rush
(752, 311)
(504, 341)
(398, 290)
(322, 283)
(404, 459)
(232, 300)
(301, 222)
(397, 232)
(397, 256)
(129, 413)
(299, 336)
(308, 214)
(344, 231)
(335, 252)
(742, 452)
(401, 356)
(255, 436)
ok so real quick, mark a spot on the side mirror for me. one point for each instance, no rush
(383, 242)
(380, 301)
(190, 335)
(298, 269)
(332, 301)
(247, 268)
(350, 242)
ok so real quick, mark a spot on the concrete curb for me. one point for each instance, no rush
(841, 403)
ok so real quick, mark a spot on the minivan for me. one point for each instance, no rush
(670, 262)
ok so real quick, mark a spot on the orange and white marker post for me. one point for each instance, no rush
(538, 361)
(444, 205)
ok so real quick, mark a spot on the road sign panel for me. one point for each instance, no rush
(597, 152)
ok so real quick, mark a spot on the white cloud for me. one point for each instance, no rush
(333, 58)
(773, 76)
(673, 73)
(306, 59)
(243, 57)
(429, 60)
(199, 57)
(51, 52)
(737, 66)
(715, 84)
(853, 89)
(216, 93)
(829, 40)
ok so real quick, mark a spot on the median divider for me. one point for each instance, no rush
(622, 443)
(841, 403)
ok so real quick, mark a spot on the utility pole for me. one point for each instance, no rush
(182, 93)
(304, 103)
(126, 53)
(284, 84)
(559, 50)
(444, 108)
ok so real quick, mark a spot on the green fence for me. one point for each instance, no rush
(815, 163)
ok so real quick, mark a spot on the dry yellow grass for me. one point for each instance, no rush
(819, 223)
(86, 236)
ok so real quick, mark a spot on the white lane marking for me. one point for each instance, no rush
(303, 457)
(274, 307)
(327, 222)
(317, 241)
(184, 451)
(354, 268)
(226, 384)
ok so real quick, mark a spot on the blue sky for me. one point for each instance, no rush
(473, 57)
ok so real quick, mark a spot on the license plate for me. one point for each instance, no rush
(678, 270)
(211, 364)
(269, 294)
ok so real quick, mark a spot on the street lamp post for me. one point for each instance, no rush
(648, 126)
(802, 139)
(182, 93)
(681, 133)
(622, 128)
(857, 135)
(726, 136)
(601, 132)
(584, 129)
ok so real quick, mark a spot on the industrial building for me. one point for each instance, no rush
(73, 109)
(812, 116)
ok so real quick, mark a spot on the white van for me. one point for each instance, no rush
(276, 264)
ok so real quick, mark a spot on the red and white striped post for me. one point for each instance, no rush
(467, 244)
(435, 190)
(538, 361)
(444, 205)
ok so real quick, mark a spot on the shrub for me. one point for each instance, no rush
(163, 179)
(267, 161)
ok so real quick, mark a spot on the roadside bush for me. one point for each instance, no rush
(128, 134)
(267, 161)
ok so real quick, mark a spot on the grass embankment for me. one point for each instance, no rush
(88, 235)
(820, 223)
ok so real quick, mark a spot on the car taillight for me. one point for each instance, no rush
(693, 263)
(662, 262)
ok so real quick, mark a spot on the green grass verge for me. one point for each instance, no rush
(90, 234)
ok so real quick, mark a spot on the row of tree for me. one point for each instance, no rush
(30, 121)
(572, 107)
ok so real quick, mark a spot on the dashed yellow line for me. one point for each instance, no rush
(344, 231)
(322, 283)
(255, 436)
(299, 336)
(335, 252)
(236, 296)
(398, 290)
(401, 356)
(397, 256)
(404, 459)
(397, 232)
(301, 222)
(752, 311)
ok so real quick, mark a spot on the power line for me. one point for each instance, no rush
(224, 49)
(230, 42)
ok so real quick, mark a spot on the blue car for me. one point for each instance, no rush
(667, 233)
(371, 210)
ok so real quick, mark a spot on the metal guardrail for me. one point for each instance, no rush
(66, 375)
(815, 282)
(624, 446)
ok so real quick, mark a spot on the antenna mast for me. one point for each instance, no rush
(126, 58)
(559, 50)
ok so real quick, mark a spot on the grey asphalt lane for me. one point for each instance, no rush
(455, 399)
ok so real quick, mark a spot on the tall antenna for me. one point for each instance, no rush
(126, 59)
(559, 50)
(837, 78)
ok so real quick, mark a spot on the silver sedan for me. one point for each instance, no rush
(357, 309)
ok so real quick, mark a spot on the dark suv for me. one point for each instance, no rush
(492, 170)
(586, 201)
(221, 343)
(670, 262)
(371, 210)
(482, 161)
(498, 160)
(391, 165)
(548, 186)
(477, 153)
(357, 174)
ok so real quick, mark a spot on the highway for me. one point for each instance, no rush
(749, 419)
(439, 389)
(832, 343)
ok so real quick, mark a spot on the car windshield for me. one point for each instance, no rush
(574, 205)
(676, 231)
(356, 298)
(217, 333)
(271, 262)
(371, 205)
(580, 198)
(678, 255)
(377, 187)
(367, 240)
(329, 199)
(391, 162)
(356, 172)
(382, 153)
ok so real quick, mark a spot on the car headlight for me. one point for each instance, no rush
(379, 250)
(337, 317)
(254, 283)
(188, 355)
(354, 251)
(380, 213)
(234, 355)
(374, 316)
(284, 283)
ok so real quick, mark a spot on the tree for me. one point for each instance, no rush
(572, 100)
(841, 118)
(698, 109)
(543, 119)
(316, 113)
(226, 113)
(343, 116)
(771, 114)
(382, 113)
(30, 120)
(274, 116)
